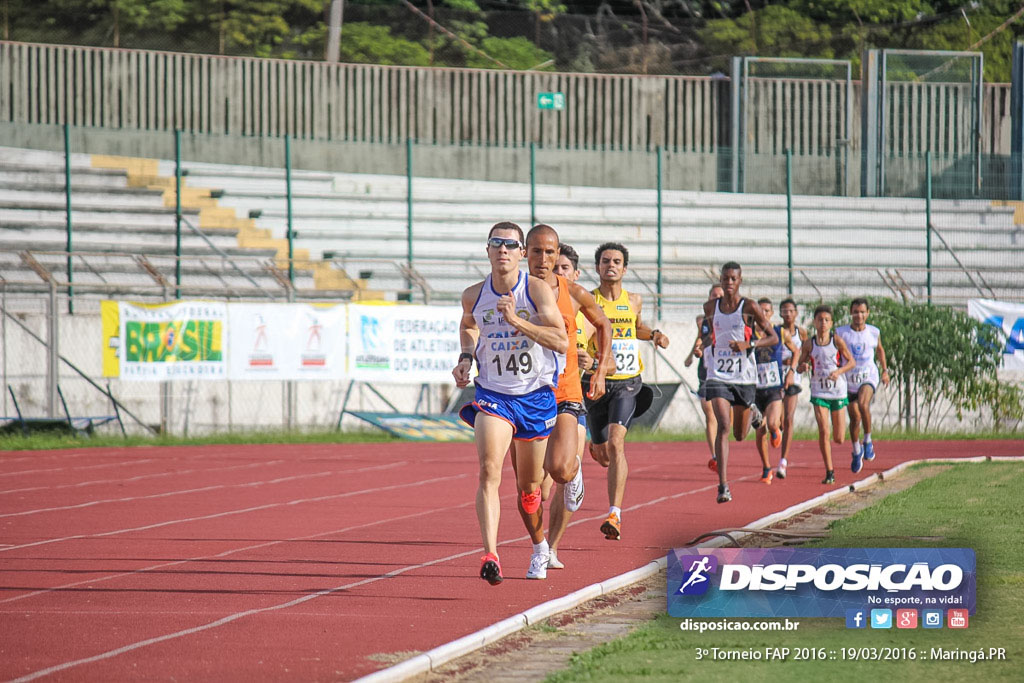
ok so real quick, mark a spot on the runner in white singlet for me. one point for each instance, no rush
(732, 372)
(829, 360)
(512, 328)
(865, 344)
(788, 311)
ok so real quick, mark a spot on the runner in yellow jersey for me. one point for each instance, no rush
(609, 417)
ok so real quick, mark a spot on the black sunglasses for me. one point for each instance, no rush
(507, 242)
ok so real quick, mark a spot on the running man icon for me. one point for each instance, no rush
(698, 570)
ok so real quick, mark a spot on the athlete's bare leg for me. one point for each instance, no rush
(854, 409)
(723, 415)
(864, 396)
(710, 425)
(559, 517)
(618, 470)
(529, 457)
(839, 426)
(740, 422)
(772, 418)
(560, 458)
(492, 436)
(822, 418)
(788, 420)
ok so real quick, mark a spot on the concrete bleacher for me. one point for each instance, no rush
(123, 237)
(841, 245)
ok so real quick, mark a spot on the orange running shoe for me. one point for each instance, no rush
(490, 569)
(776, 438)
(610, 527)
(713, 465)
(767, 478)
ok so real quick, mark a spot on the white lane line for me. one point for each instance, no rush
(312, 596)
(226, 553)
(172, 473)
(121, 463)
(229, 513)
(212, 487)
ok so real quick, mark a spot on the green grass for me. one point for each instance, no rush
(45, 441)
(971, 505)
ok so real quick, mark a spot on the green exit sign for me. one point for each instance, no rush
(551, 100)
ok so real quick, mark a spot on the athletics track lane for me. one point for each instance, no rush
(301, 562)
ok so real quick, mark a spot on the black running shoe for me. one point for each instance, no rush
(490, 569)
(756, 418)
(830, 477)
(724, 496)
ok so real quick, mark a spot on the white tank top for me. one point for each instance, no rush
(825, 360)
(508, 361)
(862, 344)
(787, 354)
(726, 365)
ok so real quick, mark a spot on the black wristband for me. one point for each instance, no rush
(654, 332)
(466, 356)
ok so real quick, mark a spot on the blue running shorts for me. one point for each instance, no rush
(531, 415)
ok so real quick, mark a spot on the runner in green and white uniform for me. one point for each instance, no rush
(826, 353)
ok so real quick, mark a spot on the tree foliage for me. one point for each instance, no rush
(656, 36)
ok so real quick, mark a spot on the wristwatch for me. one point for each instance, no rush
(595, 365)
(466, 356)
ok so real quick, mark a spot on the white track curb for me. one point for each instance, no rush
(432, 659)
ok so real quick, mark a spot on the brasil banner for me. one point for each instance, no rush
(182, 340)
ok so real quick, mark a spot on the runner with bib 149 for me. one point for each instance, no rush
(512, 327)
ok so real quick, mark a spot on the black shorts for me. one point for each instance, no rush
(736, 394)
(617, 406)
(572, 408)
(762, 397)
(854, 396)
(794, 389)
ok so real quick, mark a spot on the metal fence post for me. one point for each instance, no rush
(288, 207)
(533, 184)
(928, 218)
(657, 306)
(789, 218)
(67, 211)
(408, 206)
(177, 214)
(53, 349)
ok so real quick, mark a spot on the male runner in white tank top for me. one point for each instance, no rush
(732, 372)
(512, 327)
(865, 344)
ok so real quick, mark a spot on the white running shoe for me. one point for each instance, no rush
(780, 471)
(554, 562)
(538, 566)
(573, 491)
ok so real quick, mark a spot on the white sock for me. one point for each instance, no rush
(856, 447)
(867, 438)
(541, 548)
(617, 511)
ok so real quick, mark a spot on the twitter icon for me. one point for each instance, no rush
(881, 618)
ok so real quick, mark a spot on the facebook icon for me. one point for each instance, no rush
(856, 618)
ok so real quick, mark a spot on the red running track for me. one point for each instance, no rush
(311, 562)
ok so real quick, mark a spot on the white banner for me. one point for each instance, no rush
(403, 344)
(286, 341)
(183, 340)
(1009, 318)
